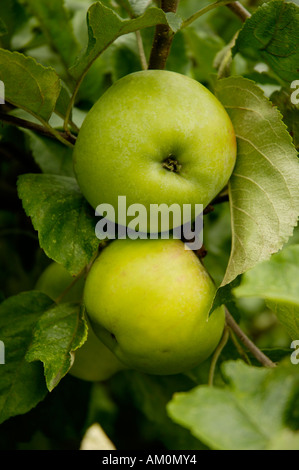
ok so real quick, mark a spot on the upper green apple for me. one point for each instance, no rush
(155, 137)
(93, 361)
(149, 302)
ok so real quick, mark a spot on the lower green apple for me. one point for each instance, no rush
(93, 361)
(55, 279)
(149, 302)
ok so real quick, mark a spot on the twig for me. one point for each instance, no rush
(257, 353)
(67, 139)
(163, 38)
(239, 10)
(216, 355)
(238, 347)
(143, 60)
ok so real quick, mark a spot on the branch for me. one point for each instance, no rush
(65, 138)
(239, 348)
(239, 10)
(257, 353)
(163, 38)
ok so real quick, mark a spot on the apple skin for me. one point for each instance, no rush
(93, 362)
(149, 302)
(137, 124)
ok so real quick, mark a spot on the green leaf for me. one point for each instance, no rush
(22, 385)
(203, 47)
(64, 220)
(59, 331)
(13, 16)
(27, 37)
(150, 394)
(135, 7)
(51, 156)
(276, 281)
(62, 102)
(174, 21)
(271, 34)
(264, 196)
(55, 23)
(104, 26)
(287, 440)
(122, 57)
(217, 241)
(248, 413)
(3, 29)
(290, 112)
(29, 85)
(224, 296)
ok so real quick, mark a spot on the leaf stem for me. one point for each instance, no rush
(69, 287)
(216, 355)
(162, 39)
(257, 353)
(142, 56)
(46, 129)
(238, 347)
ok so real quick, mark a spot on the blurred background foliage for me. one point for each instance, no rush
(130, 407)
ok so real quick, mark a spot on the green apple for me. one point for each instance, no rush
(149, 302)
(155, 137)
(93, 361)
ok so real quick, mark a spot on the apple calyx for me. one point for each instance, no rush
(171, 164)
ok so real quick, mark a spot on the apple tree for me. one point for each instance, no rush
(59, 382)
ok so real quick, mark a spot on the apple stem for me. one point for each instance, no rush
(163, 38)
(142, 56)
